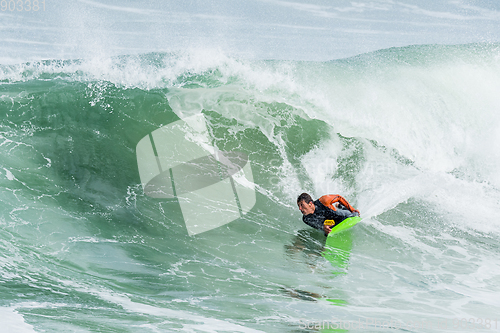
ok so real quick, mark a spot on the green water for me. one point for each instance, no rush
(82, 249)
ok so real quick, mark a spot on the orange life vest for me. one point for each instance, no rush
(330, 199)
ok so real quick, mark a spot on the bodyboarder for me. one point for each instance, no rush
(328, 207)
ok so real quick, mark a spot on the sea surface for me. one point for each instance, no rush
(407, 131)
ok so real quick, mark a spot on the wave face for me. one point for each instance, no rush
(410, 136)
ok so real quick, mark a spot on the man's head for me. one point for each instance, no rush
(306, 204)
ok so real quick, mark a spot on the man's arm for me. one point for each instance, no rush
(341, 215)
(329, 200)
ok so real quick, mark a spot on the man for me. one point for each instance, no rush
(328, 207)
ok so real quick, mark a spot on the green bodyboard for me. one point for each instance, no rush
(338, 243)
(346, 224)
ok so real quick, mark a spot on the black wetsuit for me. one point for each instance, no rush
(322, 213)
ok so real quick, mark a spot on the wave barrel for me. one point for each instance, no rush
(213, 187)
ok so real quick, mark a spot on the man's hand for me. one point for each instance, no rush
(327, 229)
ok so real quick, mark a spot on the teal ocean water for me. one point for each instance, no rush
(410, 136)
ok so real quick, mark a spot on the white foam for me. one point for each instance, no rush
(12, 321)
(204, 324)
(9, 174)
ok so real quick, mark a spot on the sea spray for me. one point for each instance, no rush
(406, 134)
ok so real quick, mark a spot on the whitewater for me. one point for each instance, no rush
(408, 134)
